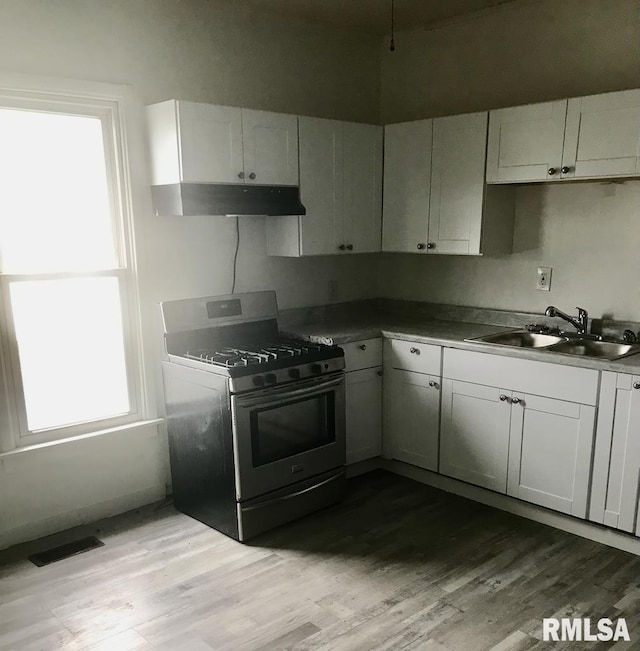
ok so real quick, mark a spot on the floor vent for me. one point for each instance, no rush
(65, 551)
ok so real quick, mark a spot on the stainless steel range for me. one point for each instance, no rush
(256, 420)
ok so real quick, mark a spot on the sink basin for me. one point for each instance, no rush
(521, 339)
(589, 348)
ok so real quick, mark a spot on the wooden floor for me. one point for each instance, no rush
(397, 565)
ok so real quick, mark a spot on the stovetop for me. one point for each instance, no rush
(256, 357)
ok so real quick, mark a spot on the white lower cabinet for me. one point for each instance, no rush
(550, 448)
(534, 447)
(475, 434)
(363, 388)
(364, 414)
(411, 417)
(411, 408)
(616, 471)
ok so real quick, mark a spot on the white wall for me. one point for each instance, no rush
(523, 52)
(200, 50)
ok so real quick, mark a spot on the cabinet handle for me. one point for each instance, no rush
(362, 346)
(415, 351)
(342, 247)
(565, 170)
(240, 175)
(433, 384)
(421, 246)
(551, 171)
(349, 247)
(503, 397)
(252, 175)
(636, 385)
(516, 400)
(431, 245)
(380, 373)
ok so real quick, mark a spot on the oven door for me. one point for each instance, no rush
(286, 434)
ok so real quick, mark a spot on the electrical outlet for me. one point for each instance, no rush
(543, 282)
(333, 290)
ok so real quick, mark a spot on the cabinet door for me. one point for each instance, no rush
(526, 142)
(602, 136)
(616, 469)
(362, 187)
(457, 183)
(210, 143)
(550, 452)
(364, 414)
(407, 186)
(411, 418)
(270, 144)
(321, 185)
(474, 441)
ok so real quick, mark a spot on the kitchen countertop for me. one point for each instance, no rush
(449, 334)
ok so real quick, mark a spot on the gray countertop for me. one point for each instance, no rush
(449, 334)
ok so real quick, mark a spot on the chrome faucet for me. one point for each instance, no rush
(580, 324)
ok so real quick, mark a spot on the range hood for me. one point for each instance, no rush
(183, 199)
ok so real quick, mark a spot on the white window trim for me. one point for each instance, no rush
(128, 161)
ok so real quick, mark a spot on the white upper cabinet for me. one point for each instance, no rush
(457, 183)
(602, 136)
(435, 197)
(204, 143)
(526, 142)
(340, 187)
(270, 145)
(581, 138)
(407, 186)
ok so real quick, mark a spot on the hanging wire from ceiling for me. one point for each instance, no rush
(392, 45)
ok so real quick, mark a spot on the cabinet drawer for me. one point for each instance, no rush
(412, 356)
(522, 375)
(362, 354)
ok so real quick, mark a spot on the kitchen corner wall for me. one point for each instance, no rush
(201, 50)
(525, 52)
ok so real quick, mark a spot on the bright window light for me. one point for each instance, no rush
(71, 350)
(55, 212)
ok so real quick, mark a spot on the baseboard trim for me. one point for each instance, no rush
(592, 531)
(363, 467)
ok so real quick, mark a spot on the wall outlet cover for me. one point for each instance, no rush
(543, 283)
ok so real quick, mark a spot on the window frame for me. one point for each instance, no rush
(110, 103)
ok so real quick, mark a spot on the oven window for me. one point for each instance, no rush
(292, 428)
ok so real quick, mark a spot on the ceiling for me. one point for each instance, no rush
(374, 16)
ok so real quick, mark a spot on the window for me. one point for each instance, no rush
(69, 355)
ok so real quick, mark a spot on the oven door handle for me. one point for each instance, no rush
(285, 394)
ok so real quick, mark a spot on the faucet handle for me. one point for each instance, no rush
(581, 311)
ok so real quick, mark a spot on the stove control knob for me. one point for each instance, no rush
(271, 378)
(258, 381)
(294, 373)
(316, 368)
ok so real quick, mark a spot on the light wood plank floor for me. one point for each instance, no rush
(397, 565)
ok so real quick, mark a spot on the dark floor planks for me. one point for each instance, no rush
(397, 565)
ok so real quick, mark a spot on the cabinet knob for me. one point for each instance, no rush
(240, 175)
(515, 400)
(349, 247)
(362, 346)
(433, 384)
(565, 170)
(252, 175)
(415, 351)
(431, 245)
(342, 247)
(380, 373)
(502, 397)
(636, 385)
(421, 246)
(551, 171)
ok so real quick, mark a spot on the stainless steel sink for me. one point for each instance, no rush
(521, 339)
(590, 348)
